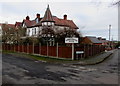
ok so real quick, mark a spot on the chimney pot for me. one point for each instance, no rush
(27, 18)
(65, 17)
(38, 15)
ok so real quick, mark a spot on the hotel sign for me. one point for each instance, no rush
(71, 40)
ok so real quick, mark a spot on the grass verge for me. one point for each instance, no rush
(88, 61)
(39, 58)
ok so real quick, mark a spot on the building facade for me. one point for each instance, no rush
(34, 27)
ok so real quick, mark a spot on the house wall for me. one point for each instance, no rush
(35, 31)
(60, 28)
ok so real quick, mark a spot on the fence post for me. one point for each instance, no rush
(33, 47)
(10, 47)
(7, 47)
(14, 47)
(84, 50)
(27, 49)
(99, 48)
(88, 50)
(95, 49)
(91, 49)
(4, 46)
(47, 49)
(57, 49)
(40, 48)
(22, 47)
(18, 47)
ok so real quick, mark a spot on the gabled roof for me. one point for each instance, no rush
(29, 23)
(58, 21)
(18, 23)
(62, 22)
(93, 39)
(103, 41)
(11, 25)
(47, 16)
(7, 26)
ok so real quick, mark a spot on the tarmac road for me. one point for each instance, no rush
(21, 70)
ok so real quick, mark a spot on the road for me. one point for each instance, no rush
(21, 70)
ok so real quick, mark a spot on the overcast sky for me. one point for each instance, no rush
(92, 18)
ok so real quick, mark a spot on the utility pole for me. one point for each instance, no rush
(109, 34)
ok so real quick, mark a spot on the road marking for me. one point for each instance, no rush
(25, 70)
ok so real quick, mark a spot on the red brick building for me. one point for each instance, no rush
(91, 40)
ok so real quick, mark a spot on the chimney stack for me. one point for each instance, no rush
(27, 18)
(100, 38)
(65, 17)
(38, 15)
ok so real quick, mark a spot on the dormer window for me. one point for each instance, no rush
(37, 20)
(45, 23)
(52, 23)
(49, 23)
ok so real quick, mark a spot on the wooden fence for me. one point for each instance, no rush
(56, 51)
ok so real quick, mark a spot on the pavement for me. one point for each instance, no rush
(95, 59)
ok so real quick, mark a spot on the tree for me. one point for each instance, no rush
(20, 34)
(11, 34)
(8, 33)
(99, 2)
(117, 3)
(47, 36)
(60, 36)
(117, 45)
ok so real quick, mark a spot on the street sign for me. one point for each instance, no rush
(71, 40)
(79, 52)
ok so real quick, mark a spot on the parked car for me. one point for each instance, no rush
(118, 47)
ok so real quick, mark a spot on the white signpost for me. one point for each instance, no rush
(72, 40)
